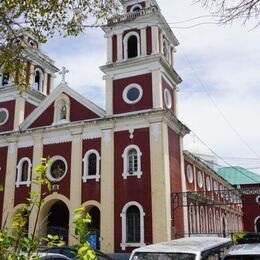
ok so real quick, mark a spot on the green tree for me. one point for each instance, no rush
(230, 10)
(45, 19)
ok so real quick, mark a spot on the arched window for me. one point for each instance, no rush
(131, 45)
(202, 220)
(218, 225)
(24, 172)
(132, 161)
(136, 8)
(192, 219)
(38, 80)
(91, 165)
(210, 221)
(62, 109)
(5, 79)
(132, 225)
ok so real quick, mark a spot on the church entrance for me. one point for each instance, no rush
(94, 227)
(58, 221)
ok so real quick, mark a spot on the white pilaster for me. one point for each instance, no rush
(143, 42)
(155, 40)
(120, 47)
(109, 49)
(45, 82)
(157, 89)
(109, 97)
(19, 112)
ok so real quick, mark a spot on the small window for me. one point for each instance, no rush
(136, 8)
(132, 225)
(62, 110)
(208, 184)
(132, 93)
(131, 45)
(5, 79)
(91, 162)
(38, 80)
(192, 219)
(132, 161)
(165, 48)
(210, 221)
(4, 115)
(200, 179)
(167, 98)
(202, 220)
(57, 169)
(24, 172)
(258, 199)
(189, 174)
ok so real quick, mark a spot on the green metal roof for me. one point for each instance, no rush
(238, 175)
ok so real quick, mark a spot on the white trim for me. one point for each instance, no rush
(257, 199)
(137, 173)
(189, 173)
(134, 85)
(125, 41)
(124, 244)
(19, 173)
(57, 117)
(167, 98)
(86, 176)
(134, 6)
(52, 160)
(7, 115)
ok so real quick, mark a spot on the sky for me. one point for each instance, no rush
(219, 64)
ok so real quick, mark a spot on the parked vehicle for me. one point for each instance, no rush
(191, 248)
(243, 252)
(52, 256)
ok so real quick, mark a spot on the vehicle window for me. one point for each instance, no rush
(215, 253)
(163, 256)
(69, 252)
(243, 257)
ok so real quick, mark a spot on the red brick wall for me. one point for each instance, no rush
(132, 188)
(146, 102)
(91, 188)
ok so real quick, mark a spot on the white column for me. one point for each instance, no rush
(109, 49)
(31, 76)
(19, 112)
(9, 186)
(143, 42)
(120, 47)
(157, 89)
(107, 191)
(109, 96)
(75, 181)
(45, 82)
(155, 40)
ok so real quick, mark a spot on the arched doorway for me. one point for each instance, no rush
(58, 221)
(257, 224)
(94, 227)
(224, 226)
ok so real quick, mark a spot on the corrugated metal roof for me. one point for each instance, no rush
(238, 175)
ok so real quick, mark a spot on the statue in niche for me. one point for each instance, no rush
(63, 110)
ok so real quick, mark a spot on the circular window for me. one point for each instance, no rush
(3, 115)
(189, 174)
(258, 199)
(208, 184)
(167, 98)
(200, 179)
(132, 93)
(57, 169)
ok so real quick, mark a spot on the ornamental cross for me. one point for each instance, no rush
(63, 72)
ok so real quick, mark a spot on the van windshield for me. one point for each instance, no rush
(162, 256)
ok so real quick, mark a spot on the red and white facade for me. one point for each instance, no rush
(124, 163)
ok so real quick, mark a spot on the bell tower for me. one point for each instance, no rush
(140, 72)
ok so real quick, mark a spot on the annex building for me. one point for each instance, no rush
(126, 163)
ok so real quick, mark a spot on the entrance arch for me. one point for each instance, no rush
(257, 224)
(58, 221)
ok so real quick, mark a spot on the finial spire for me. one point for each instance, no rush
(63, 72)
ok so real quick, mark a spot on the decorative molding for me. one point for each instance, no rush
(131, 132)
(57, 138)
(91, 134)
(25, 143)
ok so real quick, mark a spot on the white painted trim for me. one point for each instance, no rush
(52, 160)
(125, 173)
(124, 243)
(7, 115)
(134, 6)
(124, 95)
(86, 176)
(57, 118)
(19, 173)
(125, 41)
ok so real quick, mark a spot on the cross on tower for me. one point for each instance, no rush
(63, 72)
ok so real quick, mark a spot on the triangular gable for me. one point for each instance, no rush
(80, 109)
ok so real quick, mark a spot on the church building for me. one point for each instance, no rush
(124, 164)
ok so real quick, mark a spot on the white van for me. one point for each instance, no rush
(244, 252)
(190, 248)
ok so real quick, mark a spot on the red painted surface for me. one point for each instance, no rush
(80, 112)
(251, 209)
(48, 84)
(10, 106)
(28, 109)
(146, 102)
(114, 48)
(149, 40)
(175, 181)
(91, 188)
(190, 186)
(129, 7)
(64, 150)
(22, 192)
(165, 85)
(132, 188)
(45, 119)
(3, 160)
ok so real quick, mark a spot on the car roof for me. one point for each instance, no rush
(46, 255)
(185, 245)
(244, 249)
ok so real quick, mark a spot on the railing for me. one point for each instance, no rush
(133, 15)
